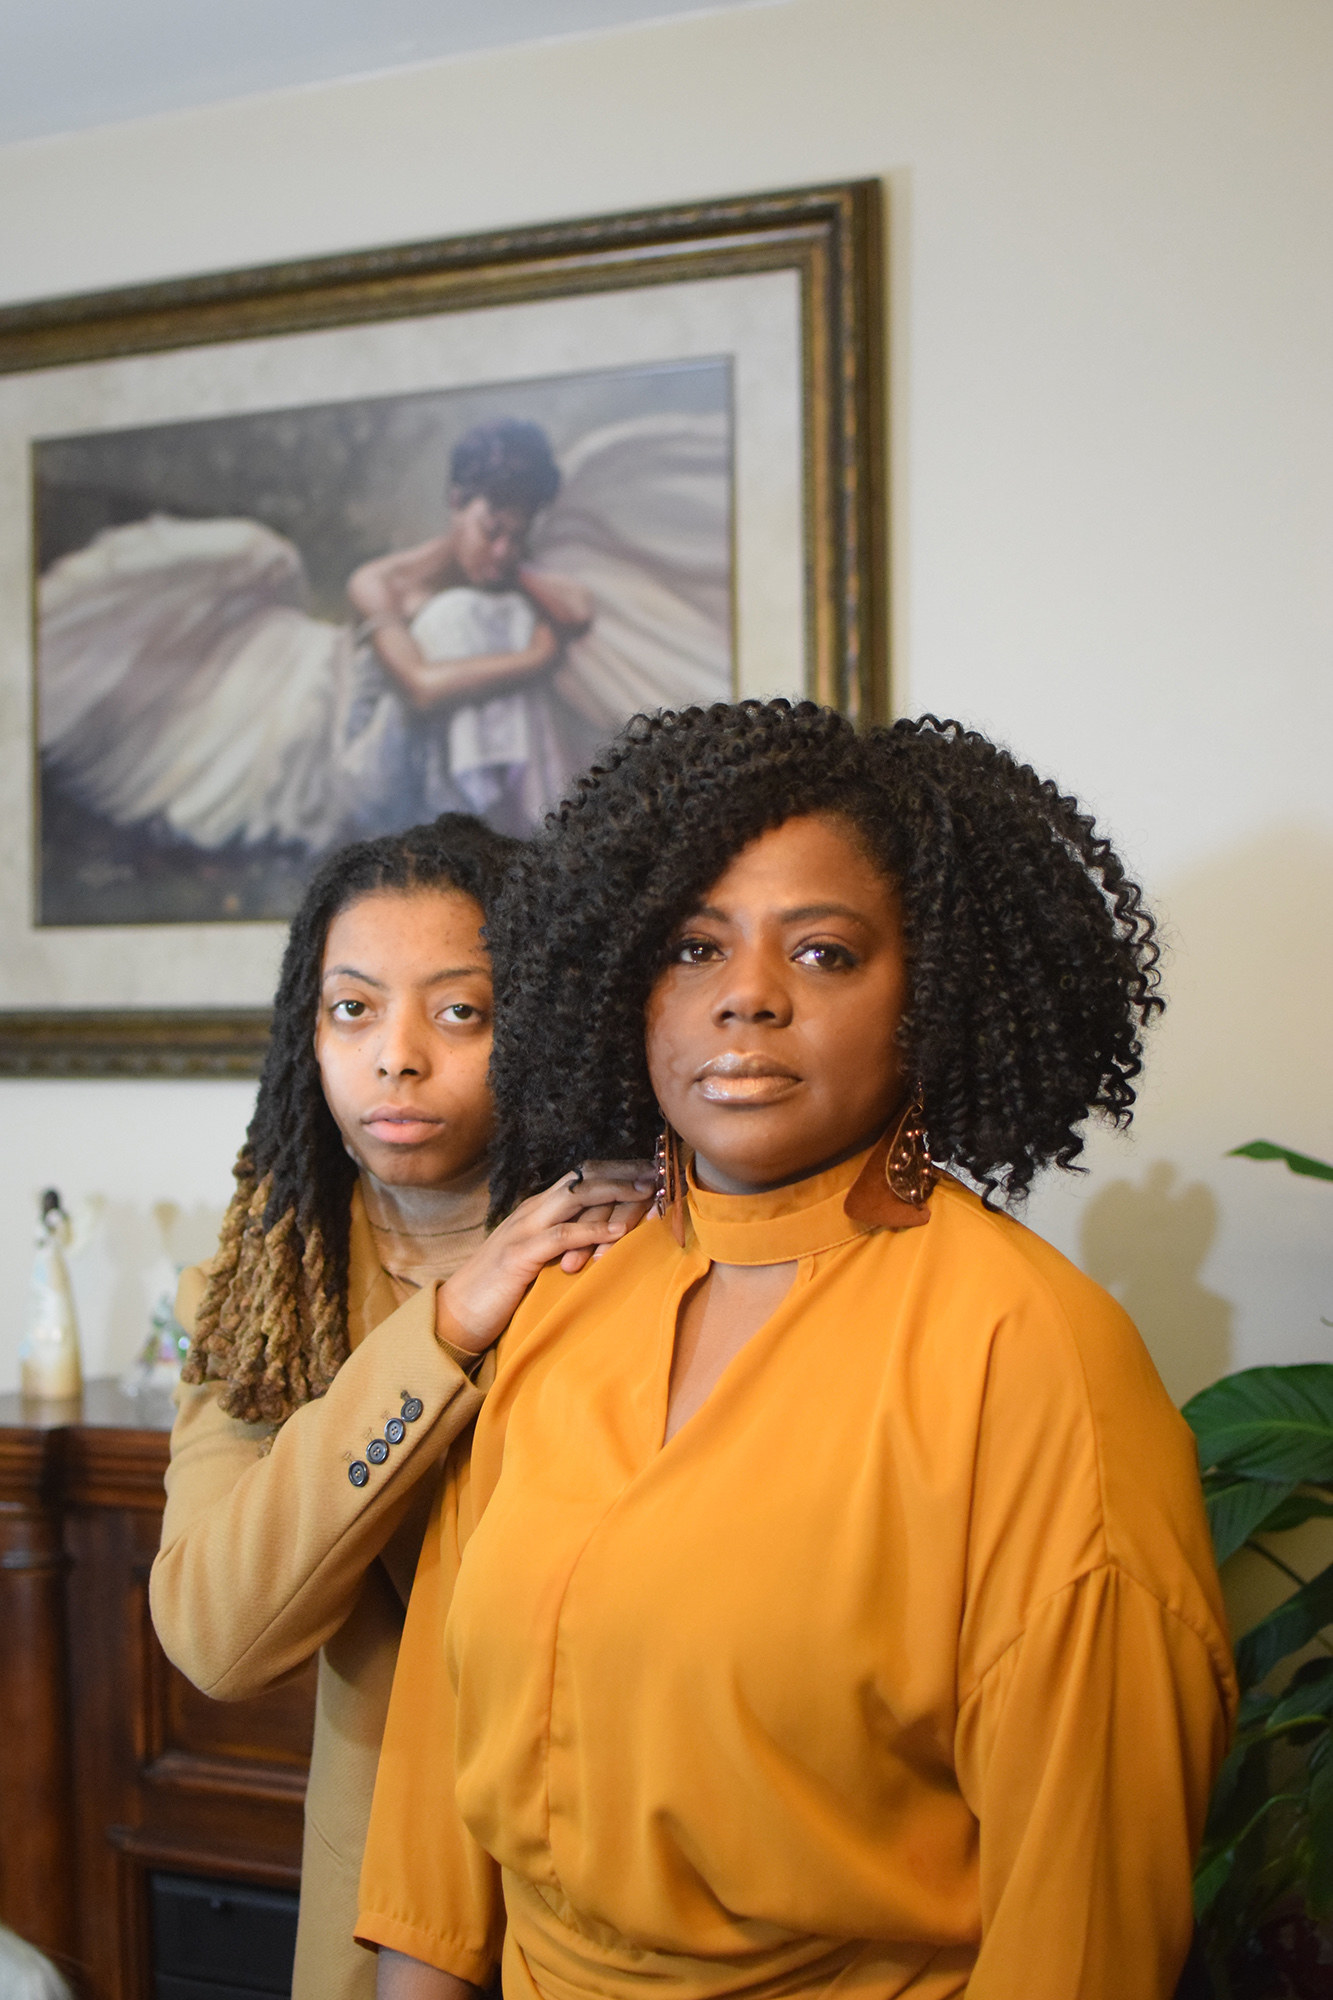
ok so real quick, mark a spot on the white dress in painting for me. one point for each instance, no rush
(508, 756)
(183, 685)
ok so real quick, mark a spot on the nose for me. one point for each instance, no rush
(753, 989)
(403, 1047)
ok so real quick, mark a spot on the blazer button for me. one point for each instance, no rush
(377, 1451)
(395, 1430)
(358, 1472)
(412, 1408)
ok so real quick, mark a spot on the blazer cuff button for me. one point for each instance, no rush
(412, 1408)
(395, 1430)
(377, 1451)
(358, 1472)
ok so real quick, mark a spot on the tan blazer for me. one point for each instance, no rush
(269, 1553)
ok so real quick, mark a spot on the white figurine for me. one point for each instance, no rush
(49, 1356)
(25, 1974)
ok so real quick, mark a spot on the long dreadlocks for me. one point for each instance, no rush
(272, 1324)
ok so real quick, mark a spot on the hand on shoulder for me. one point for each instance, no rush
(582, 1213)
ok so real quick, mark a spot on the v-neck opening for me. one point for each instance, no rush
(788, 1225)
(669, 1334)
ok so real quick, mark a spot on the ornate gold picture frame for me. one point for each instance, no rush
(785, 288)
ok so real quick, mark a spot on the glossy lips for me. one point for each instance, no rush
(740, 1079)
(400, 1125)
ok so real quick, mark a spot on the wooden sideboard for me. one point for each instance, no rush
(112, 1766)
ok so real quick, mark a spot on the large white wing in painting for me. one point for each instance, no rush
(181, 682)
(643, 521)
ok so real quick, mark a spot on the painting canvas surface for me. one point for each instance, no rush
(212, 711)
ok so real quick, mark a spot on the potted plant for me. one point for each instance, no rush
(1264, 1886)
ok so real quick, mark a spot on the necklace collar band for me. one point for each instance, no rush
(800, 1220)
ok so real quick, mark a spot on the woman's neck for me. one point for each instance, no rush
(427, 1211)
(718, 1181)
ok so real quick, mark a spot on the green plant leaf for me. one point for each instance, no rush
(1241, 1509)
(1216, 1865)
(1255, 1709)
(1300, 1163)
(1319, 1834)
(1285, 1630)
(1267, 1423)
(1241, 1784)
(1302, 1506)
(1310, 1693)
(1309, 1674)
(1210, 1878)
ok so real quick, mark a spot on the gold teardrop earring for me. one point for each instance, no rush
(908, 1168)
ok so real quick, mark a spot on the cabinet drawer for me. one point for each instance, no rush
(220, 1940)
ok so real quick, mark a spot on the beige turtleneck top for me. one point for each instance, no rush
(422, 1235)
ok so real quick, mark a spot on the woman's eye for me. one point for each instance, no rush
(460, 1011)
(826, 957)
(695, 951)
(348, 1010)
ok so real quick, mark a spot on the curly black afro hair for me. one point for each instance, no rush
(1033, 963)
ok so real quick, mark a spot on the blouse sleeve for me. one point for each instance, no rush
(427, 1889)
(1095, 1679)
(1086, 1754)
(267, 1537)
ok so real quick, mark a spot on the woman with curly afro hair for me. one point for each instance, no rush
(325, 1380)
(827, 1607)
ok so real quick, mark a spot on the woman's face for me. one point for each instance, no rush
(489, 542)
(403, 1037)
(771, 1033)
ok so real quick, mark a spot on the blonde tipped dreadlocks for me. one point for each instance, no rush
(266, 1327)
(272, 1324)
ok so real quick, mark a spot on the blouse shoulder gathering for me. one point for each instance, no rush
(1075, 1433)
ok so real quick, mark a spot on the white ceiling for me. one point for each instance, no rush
(69, 64)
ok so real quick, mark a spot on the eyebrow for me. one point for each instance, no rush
(449, 972)
(798, 916)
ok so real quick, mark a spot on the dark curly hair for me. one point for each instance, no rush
(1032, 961)
(272, 1324)
(508, 462)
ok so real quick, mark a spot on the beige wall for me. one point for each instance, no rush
(1111, 318)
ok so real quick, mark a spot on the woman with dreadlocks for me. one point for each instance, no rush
(829, 1607)
(325, 1378)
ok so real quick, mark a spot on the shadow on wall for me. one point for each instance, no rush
(1147, 1243)
(1248, 974)
(1223, 1263)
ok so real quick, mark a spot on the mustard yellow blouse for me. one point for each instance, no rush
(902, 1665)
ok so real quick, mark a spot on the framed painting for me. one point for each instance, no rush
(299, 555)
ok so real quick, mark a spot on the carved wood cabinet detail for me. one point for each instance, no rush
(114, 1766)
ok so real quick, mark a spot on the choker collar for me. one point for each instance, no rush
(785, 1223)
